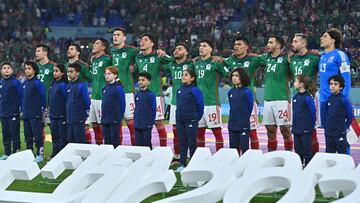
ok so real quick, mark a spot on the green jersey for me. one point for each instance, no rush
(98, 67)
(152, 64)
(276, 77)
(306, 64)
(208, 75)
(85, 73)
(249, 63)
(45, 75)
(122, 59)
(176, 74)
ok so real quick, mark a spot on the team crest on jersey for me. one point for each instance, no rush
(306, 62)
(246, 64)
(331, 59)
(185, 67)
(101, 63)
(208, 67)
(280, 60)
(152, 60)
(124, 55)
(47, 71)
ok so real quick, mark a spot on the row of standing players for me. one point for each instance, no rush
(279, 68)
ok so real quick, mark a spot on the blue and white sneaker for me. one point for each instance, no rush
(39, 158)
(180, 168)
(4, 157)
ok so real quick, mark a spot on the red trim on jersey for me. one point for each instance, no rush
(217, 80)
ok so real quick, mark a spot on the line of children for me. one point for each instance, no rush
(189, 111)
(112, 107)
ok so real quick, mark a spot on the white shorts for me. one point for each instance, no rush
(129, 106)
(172, 119)
(95, 112)
(254, 120)
(277, 113)
(160, 112)
(211, 117)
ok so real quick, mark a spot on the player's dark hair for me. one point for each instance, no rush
(336, 35)
(303, 36)
(192, 74)
(77, 47)
(120, 29)
(33, 65)
(244, 77)
(105, 43)
(75, 66)
(44, 47)
(244, 39)
(207, 41)
(183, 44)
(150, 36)
(279, 40)
(309, 85)
(337, 78)
(6, 63)
(145, 75)
(62, 69)
(114, 70)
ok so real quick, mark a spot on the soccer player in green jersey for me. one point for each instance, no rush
(277, 108)
(241, 59)
(45, 75)
(176, 67)
(100, 61)
(73, 53)
(208, 75)
(148, 61)
(303, 62)
(123, 57)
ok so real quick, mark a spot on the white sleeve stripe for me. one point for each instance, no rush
(343, 56)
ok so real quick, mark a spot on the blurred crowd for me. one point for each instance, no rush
(25, 23)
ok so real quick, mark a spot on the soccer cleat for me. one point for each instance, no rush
(180, 168)
(4, 157)
(39, 158)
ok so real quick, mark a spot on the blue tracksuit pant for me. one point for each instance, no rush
(11, 134)
(187, 133)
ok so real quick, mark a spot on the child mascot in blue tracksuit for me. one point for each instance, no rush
(34, 103)
(304, 116)
(145, 111)
(77, 105)
(57, 114)
(11, 95)
(112, 107)
(189, 110)
(241, 103)
(338, 117)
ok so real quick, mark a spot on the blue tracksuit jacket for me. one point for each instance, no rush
(11, 97)
(113, 103)
(34, 101)
(78, 102)
(145, 109)
(189, 103)
(57, 99)
(241, 103)
(304, 113)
